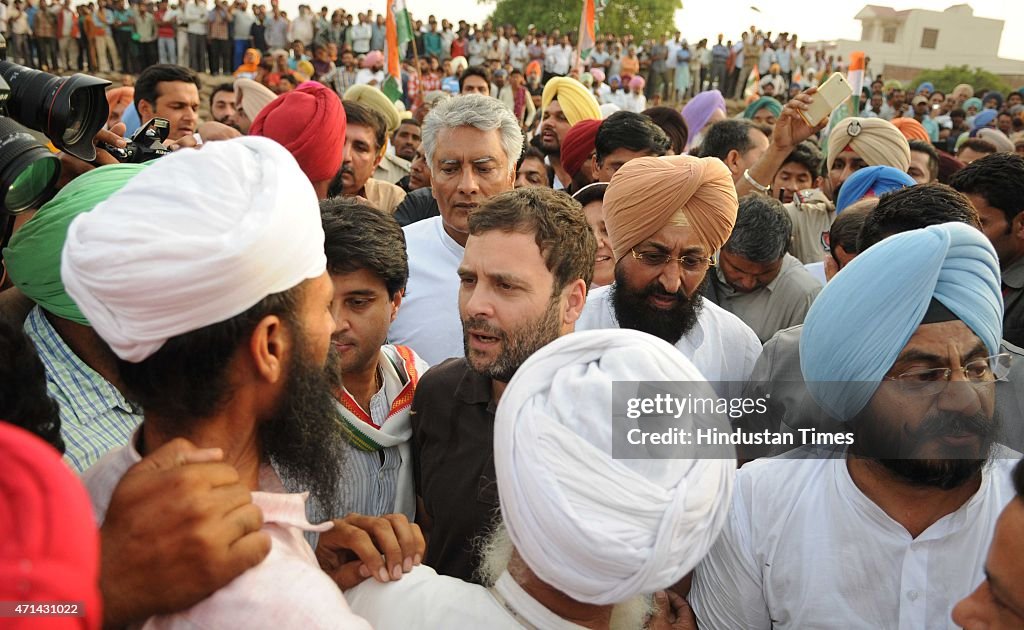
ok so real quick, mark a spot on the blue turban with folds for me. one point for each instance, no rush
(984, 119)
(925, 86)
(863, 318)
(765, 102)
(872, 181)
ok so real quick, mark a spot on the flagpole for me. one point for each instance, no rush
(419, 75)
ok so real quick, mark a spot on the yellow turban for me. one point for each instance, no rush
(371, 97)
(573, 97)
(647, 193)
(878, 142)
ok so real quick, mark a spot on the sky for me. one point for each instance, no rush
(703, 18)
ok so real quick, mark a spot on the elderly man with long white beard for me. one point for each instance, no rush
(585, 537)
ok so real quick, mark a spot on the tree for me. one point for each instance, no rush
(949, 77)
(641, 18)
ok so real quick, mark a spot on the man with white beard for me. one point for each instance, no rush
(582, 541)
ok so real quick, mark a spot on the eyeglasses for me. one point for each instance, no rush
(689, 263)
(977, 373)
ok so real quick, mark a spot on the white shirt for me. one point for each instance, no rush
(557, 59)
(429, 320)
(195, 17)
(519, 56)
(721, 346)
(366, 75)
(634, 102)
(805, 548)
(288, 589)
(360, 34)
(422, 599)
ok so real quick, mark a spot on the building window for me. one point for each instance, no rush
(867, 32)
(889, 35)
(929, 37)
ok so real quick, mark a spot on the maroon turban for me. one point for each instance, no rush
(49, 544)
(309, 121)
(578, 145)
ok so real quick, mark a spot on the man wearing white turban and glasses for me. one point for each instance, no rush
(891, 531)
(584, 535)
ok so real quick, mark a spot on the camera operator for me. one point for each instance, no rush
(170, 92)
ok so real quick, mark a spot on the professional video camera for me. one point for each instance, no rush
(69, 110)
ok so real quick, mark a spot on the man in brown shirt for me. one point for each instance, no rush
(515, 297)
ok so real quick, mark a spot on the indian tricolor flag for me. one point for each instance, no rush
(586, 36)
(399, 31)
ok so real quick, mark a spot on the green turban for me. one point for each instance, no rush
(33, 256)
(765, 101)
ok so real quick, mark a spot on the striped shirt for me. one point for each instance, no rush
(94, 416)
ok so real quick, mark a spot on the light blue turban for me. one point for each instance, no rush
(984, 119)
(768, 102)
(975, 101)
(925, 86)
(862, 319)
(872, 181)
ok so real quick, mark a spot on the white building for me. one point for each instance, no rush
(917, 39)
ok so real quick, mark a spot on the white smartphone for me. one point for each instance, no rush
(831, 95)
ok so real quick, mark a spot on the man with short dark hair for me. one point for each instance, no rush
(998, 603)
(374, 380)
(622, 137)
(528, 261)
(924, 162)
(798, 184)
(974, 149)
(172, 92)
(407, 139)
(222, 105)
(756, 279)
(738, 143)
(800, 170)
(365, 143)
(995, 186)
(475, 80)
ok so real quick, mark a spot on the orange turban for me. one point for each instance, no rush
(119, 96)
(911, 129)
(645, 195)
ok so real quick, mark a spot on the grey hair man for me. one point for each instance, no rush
(471, 144)
(756, 278)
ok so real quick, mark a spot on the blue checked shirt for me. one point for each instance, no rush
(94, 416)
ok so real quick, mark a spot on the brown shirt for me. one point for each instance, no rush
(453, 464)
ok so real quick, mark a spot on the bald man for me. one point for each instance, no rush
(666, 218)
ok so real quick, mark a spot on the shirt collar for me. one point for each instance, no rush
(1013, 276)
(67, 371)
(473, 388)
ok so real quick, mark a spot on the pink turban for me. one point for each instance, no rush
(373, 58)
(645, 195)
(637, 82)
(309, 121)
(598, 74)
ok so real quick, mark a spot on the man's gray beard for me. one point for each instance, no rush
(496, 556)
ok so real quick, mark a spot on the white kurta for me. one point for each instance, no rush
(422, 599)
(721, 346)
(429, 321)
(805, 548)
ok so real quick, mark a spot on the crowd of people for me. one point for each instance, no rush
(342, 360)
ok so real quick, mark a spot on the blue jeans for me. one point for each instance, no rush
(240, 47)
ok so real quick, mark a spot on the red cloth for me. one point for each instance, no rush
(49, 544)
(578, 145)
(309, 121)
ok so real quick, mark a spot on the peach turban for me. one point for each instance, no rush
(911, 129)
(573, 97)
(647, 193)
(878, 142)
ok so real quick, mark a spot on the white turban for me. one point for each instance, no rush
(193, 240)
(598, 529)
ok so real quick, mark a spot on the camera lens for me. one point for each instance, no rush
(28, 171)
(68, 110)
